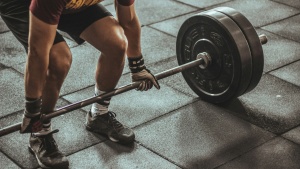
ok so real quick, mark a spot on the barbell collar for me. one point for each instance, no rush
(206, 59)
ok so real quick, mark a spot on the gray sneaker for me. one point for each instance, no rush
(46, 151)
(108, 125)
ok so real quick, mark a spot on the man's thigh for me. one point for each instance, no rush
(75, 23)
(15, 13)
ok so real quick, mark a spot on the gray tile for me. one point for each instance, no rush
(257, 14)
(290, 73)
(272, 105)
(109, 155)
(276, 154)
(71, 138)
(293, 135)
(107, 2)
(83, 67)
(200, 135)
(134, 108)
(172, 26)
(203, 4)
(3, 27)
(154, 12)
(157, 46)
(288, 28)
(12, 52)
(175, 81)
(291, 3)
(11, 91)
(273, 54)
(7, 162)
(15, 142)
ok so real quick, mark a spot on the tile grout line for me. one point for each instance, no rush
(164, 115)
(285, 4)
(270, 71)
(286, 38)
(290, 140)
(278, 20)
(154, 152)
(259, 145)
(11, 159)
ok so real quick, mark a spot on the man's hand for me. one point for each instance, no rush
(147, 80)
(140, 73)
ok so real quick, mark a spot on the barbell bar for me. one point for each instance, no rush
(91, 100)
(203, 59)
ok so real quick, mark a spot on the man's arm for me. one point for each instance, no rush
(128, 19)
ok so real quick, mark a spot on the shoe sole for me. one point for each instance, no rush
(43, 165)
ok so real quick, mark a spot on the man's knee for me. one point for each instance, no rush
(117, 46)
(121, 46)
(60, 62)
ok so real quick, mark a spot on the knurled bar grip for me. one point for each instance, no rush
(83, 103)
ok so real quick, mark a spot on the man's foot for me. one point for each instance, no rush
(45, 149)
(107, 124)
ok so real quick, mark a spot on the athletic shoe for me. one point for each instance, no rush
(108, 125)
(45, 149)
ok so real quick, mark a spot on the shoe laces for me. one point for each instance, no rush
(48, 142)
(115, 123)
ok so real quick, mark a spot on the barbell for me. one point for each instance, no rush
(219, 54)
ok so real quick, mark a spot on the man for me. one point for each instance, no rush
(83, 20)
(15, 13)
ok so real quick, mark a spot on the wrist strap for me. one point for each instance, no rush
(136, 64)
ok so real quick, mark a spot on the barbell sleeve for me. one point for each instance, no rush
(83, 103)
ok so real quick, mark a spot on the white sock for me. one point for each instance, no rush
(47, 128)
(100, 108)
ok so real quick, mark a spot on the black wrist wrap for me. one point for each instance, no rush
(136, 64)
(33, 106)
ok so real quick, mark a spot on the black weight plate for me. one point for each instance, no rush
(229, 74)
(253, 42)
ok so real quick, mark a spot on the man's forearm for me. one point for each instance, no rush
(129, 21)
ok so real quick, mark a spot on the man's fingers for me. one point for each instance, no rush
(142, 86)
(150, 84)
(155, 83)
(145, 85)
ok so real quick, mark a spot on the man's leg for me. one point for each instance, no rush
(107, 36)
(15, 14)
(59, 65)
(42, 143)
(96, 25)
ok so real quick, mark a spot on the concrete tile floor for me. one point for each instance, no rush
(174, 128)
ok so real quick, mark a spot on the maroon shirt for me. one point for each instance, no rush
(49, 11)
